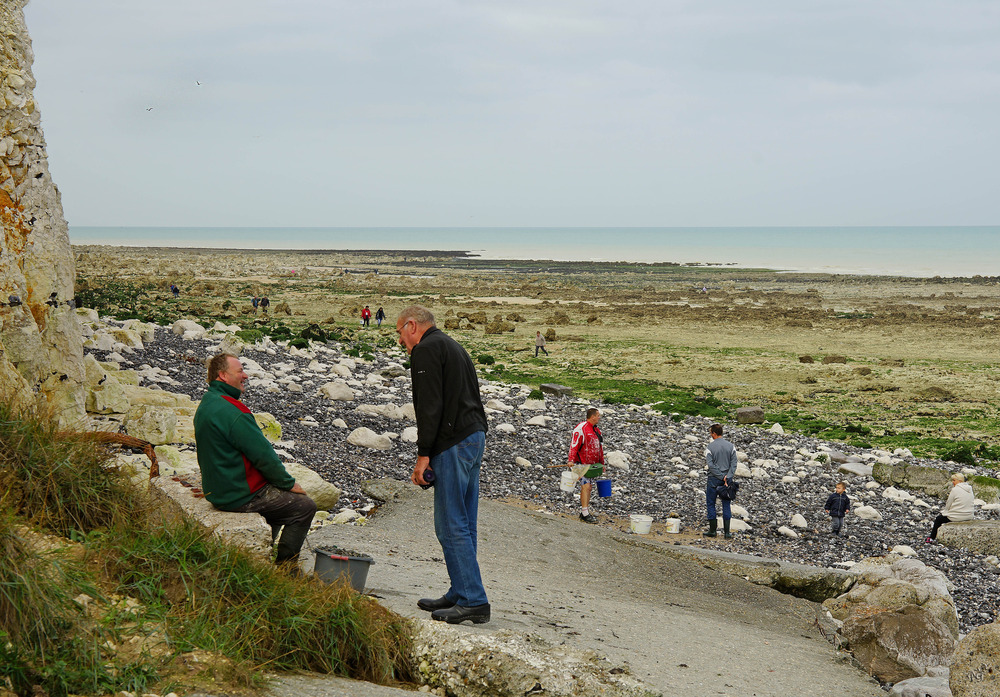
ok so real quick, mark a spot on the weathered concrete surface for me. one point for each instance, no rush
(681, 628)
(41, 354)
(981, 536)
(803, 581)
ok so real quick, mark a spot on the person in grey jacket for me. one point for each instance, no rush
(721, 458)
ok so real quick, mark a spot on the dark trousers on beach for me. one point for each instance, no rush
(938, 522)
(543, 351)
(836, 524)
(283, 509)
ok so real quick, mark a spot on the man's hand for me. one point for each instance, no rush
(423, 462)
(296, 489)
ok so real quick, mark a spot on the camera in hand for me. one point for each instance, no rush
(429, 478)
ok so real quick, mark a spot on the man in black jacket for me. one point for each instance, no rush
(451, 437)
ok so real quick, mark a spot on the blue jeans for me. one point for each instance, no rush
(456, 511)
(710, 496)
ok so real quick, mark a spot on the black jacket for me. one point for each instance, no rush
(445, 393)
(838, 505)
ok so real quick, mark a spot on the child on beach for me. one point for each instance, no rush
(837, 505)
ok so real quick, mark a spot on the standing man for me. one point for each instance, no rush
(540, 344)
(366, 316)
(721, 458)
(451, 437)
(586, 451)
(240, 472)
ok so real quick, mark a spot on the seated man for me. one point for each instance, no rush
(240, 472)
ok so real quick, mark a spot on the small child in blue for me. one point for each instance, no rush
(837, 505)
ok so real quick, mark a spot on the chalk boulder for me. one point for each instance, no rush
(975, 667)
(325, 494)
(367, 438)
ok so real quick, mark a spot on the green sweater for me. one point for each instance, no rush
(235, 458)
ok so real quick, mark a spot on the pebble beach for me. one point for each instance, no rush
(321, 396)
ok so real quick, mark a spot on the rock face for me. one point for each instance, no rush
(41, 355)
(929, 480)
(981, 536)
(899, 618)
(975, 668)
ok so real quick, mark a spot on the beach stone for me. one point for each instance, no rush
(982, 536)
(738, 510)
(497, 405)
(183, 326)
(787, 531)
(903, 551)
(538, 421)
(798, 521)
(750, 415)
(554, 388)
(735, 524)
(409, 434)
(827, 360)
(898, 645)
(743, 471)
(325, 494)
(337, 391)
(856, 469)
(367, 438)
(758, 473)
(777, 428)
(157, 425)
(533, 405)
(521, 462)
(790, 479)
(345, 516)
(921, 687)
(127, 337)
(394, 370)
(867, 513)
(617, 459)
(339, 423)
(268, 425)
(975, 667)
(505, 428)
(341, 370)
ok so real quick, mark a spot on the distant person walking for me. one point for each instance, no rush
(379, 316)
(959, 506)
(366, 316)
(721, 459)
(586, 455)
(838, 504)
(540, 344)
(264, 304)
(451, 438)
(175, 290)
(255, 302)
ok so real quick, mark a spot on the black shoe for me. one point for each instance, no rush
(588, 518)
(432, 604)
(456, 614)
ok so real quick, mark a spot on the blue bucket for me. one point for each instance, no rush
(604, 488)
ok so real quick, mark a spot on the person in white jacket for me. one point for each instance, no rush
(958, 507)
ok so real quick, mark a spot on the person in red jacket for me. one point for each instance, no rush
(366, 315)
(587, 448)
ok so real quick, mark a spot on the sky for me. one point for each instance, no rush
(520, 113)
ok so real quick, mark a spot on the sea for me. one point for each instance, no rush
(881, 251)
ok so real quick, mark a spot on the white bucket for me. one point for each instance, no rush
(568, 480)
(640, 523)
(673, 525)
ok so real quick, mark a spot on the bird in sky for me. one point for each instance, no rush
(149, 108)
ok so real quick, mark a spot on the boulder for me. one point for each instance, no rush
(325, 494)
(935, 481)
(855, 468)
(533, 405)
(268, 425)
(183, 326)
(145, 330)
(174, 462)
(798, 521)
(975, 666)
(895, 645)
(787, 531)
(505, 428)
(158, 425)
(981, 536)
(617, 459)
(466, 664)
(409, 434)
(750, 415)
(538, 421)
(337, 391)
(921, 687)
(386, 489)
(777, 428)
(367, 438)
(232, 344)
(107, 398)
(389, 411)
(556, 389)
(867, 513)
(127, 337)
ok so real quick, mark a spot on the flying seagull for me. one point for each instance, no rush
(149, 108)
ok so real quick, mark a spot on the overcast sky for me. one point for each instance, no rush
(521, 113)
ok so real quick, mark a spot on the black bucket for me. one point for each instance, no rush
(331, 566)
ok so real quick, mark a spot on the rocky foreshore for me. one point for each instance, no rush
(350, 420)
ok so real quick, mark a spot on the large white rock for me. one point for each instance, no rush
(325, 494)
(867, 513)
(341, 370)
(390, 411)
(337, 391)
(533, 405)
(497, 405)
(127, 337)
(367, 438)
(157, 425)
(409, 434)
(183, 326)
(617, 459)
(776, 428)
(538, 420)
(798, 521)
(505, 428)
(521, 462)
(787, 531)
(232, 344)
(268, 425)
(743, 471)
(738, 511)
(107, 398)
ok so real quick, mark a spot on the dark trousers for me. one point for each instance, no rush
(836, 524)
(543, 351)
(938, 522)
(283, 508)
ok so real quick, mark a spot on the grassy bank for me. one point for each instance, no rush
(98, 593)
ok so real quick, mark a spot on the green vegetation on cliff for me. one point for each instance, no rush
(100, 593)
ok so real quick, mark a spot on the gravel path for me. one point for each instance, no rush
(665, 463)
